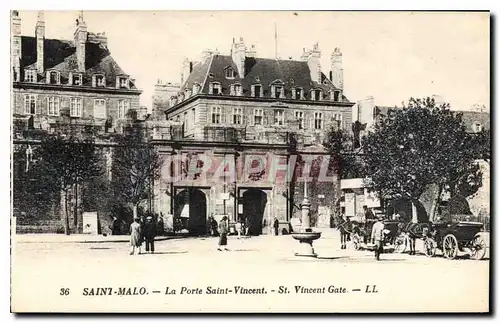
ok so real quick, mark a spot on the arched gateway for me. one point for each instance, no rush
(190, 207)
(254, 206)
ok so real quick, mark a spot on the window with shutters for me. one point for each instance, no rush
(318, 120)
(258, 116)
(30, 76)
(214, 88)
(30, 104)
(99, 80)
(75, 107)
(236, 89)
(216, 115)
(54, 77)
(123, 107)
(100, 109)
(124, 82)
(278, 91)
(237, 116)
(53, 105)
(279, 117)
(298, 93)
(257, 91)
(316, 95)
(77, 79)
(299, 116)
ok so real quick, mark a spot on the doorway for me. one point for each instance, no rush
(191, 211)
(254, 206)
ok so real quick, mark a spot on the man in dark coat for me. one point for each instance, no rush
(149, 233)
(276, 226)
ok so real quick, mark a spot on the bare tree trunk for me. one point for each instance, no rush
(134, 210)
(75, 206)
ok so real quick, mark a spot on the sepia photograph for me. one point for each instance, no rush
(250, 161)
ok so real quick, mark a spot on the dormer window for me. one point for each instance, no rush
(30, 76)
(298, 93)
(230, 73)
(187, 93)
(196, 88)
(214, 88)
(257, 79)
(335, 95)
(173, 101)
(257, 91)
(122, 82)
(77, 79)
(278, 91)
(316, 95)
(236, 89)
(211, 75)
(98, 80)
(53, 77)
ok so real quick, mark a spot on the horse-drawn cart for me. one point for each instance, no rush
(452, 238)
(361, 233)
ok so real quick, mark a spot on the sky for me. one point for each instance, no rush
(391, 56)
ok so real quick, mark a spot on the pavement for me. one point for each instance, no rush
(405, 283)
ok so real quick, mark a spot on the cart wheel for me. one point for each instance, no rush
(450, 246)
(400, 244)
(478, 248)
(430, 247)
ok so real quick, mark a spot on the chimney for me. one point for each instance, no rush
(252, 52)
(187, 68)
(80, 40)
(312, 57)
(337, 72)
(238, 53)
(99, 38)
(40, 38)
(15, 48)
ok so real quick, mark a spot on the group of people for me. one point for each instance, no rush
(142, 230)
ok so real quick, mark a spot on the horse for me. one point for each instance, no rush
(344, 227)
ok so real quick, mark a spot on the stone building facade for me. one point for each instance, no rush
(77, 79)
(240, 110)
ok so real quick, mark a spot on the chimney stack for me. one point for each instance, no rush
(337, 71)
(187, 68)
(15, 48)
(40, 39)
(313, 61)
(80, 40)
(238, 53)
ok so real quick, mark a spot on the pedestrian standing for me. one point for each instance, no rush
(239, 228)
(223, 230)
(135, 236)
(276, 226)
(378, 237)
(115, 227)
(150, 233)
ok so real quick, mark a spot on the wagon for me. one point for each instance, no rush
(455, 237)
(361, 233)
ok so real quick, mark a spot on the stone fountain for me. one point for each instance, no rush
(306, 236)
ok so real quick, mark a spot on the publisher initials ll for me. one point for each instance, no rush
(371, 289)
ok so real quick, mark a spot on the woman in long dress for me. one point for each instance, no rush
(223, 230)
(135, 236)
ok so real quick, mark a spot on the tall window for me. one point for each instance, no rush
(298, 93)
(193, 117)
(237, 116)
(54, 77)
(30, 76)
(337, 118)
(100, 108)
(258, 116)
(187, 124)
(100, 80)
(299, 116)
(30, 104)
(236, 89)
(53, 105)
(214, 88)
(278, 91)
(279, 117)
(75, 107)
(123, 106)
(216, 114)
(77, 79)
(257, 91)
(318, 120)
(316, 95)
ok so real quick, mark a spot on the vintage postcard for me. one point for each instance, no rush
(250, 161)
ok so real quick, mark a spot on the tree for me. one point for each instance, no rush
(136, 165)
(70, 161)
(339, 145)
(416, 146)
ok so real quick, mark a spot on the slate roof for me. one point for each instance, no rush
(469, 118)
(263, 71)
(60, 55)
